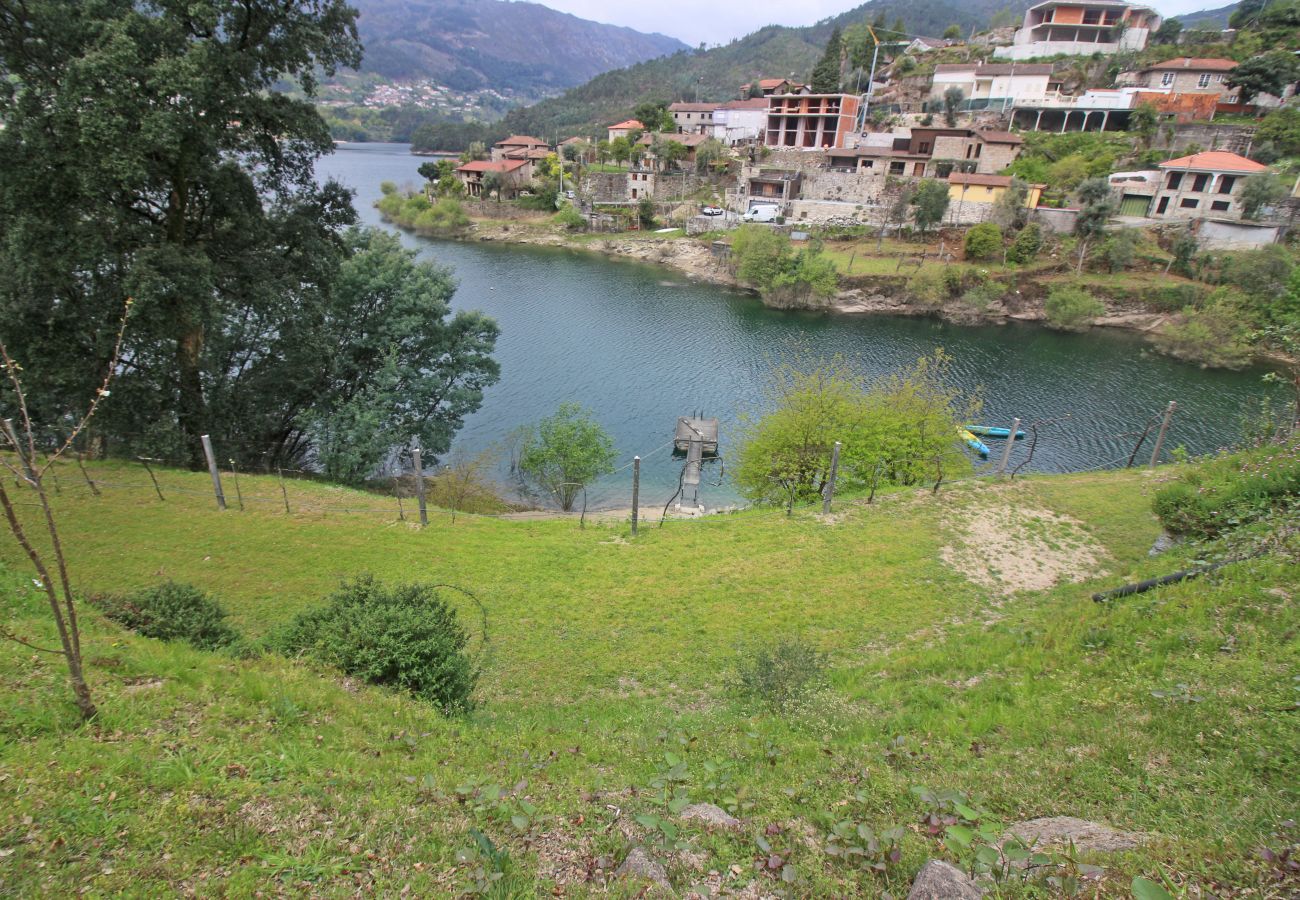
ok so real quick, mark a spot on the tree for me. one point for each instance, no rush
(1025, 247)
(493, 183)
(952, 32)
(983, 241)
(436, 170)
(1142, 122)
(1246, 13)
(654, 115)
(1281, 129)
(604, 151)
(1096, 206)
(1268, 73)
(475, 152)
(755, 90)
(897, 200)
(708, 153)
(645, 212)
(1259, 191)
(952, 99)
(670, 153)
(183, 178)
(929, 204)
(565, 452)
(449, 186)
(1168, 31)
(826, 74)
(620, 150)
(1009, 210)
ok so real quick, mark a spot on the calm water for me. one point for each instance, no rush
(640, 345)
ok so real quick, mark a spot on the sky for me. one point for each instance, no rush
(718, 21)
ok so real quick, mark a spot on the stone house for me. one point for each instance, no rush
(689, 141)
(993, 85)
(770, 86)
(1185, 75)
(517, 146)
(514, 174)
(1081, 28)
(693, 118)
(930, 152)
(1203, 186)
(624, 128)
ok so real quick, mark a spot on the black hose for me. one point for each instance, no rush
(1141, 587)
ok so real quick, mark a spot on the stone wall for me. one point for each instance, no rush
(605, 187)
(1219, 235)
(1057, 221)
(491, 209)
(1233, 138)
(845, 187)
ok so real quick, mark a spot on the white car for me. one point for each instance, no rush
(711, 210)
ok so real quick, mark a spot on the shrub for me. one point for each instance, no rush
(927, 286)
(172, 611)
(779, 675)
(1025, 247)
(1170, 297)
(983, 241)
(1071, 308)
(1217, 335)
(406, 637)
(1229, 492)
(982, 296)
(570, 218)
(1120, 249)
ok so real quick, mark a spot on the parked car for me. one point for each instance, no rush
(711, 210)
(570, 194)
(761, 212)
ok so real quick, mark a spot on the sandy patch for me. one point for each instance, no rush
(1020, 548)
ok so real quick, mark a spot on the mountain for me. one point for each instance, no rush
(717, 73)
(1208, 18)
(474, 45)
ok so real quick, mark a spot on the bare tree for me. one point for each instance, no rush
(29, 471)
(466, 476)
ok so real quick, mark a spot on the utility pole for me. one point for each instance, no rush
(1164, 429)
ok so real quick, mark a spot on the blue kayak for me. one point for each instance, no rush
(993, 432)
(974, 443)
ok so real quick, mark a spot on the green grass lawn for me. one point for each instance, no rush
(608, 662)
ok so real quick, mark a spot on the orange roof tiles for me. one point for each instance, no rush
(1215, 161)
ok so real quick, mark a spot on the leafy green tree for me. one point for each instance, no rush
(449, 186)
(826, 74)
(645, 212)
(952, 99)
(1168, 31)
(475, 152)
(1259, 191)
(1096, 206)
(1024, 249)
(1216, 334)
(493, 183)
(983, 241)
(670, 153)
(709, 153)
(1142, 122)
(1268, 73)
(759, 254)
(1009, 210)
(1120, 249)
(952, 32)
(654, 115)
(436, 170)
(1246, 13)
(185, 180)
(1281, 129)
(1071, 308)
(565, 452)
(620, 149)
(929, 204)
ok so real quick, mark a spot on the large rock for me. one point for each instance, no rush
(1085, 835)
(710, 815)
(640, 866)
(939, 880)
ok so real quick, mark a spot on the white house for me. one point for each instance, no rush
(738, 121)
(1081, 28)
(993, 85)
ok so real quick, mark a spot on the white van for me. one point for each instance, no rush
(761, 212)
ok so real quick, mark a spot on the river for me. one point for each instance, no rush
(640, 345)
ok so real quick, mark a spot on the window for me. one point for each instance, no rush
(923, 148)
(978, 148)
(1220, 205)
(970, 148)
(1189, 203)
(1226, 184)
(1175, 179)
(1204, 80)
(1199, 183)
(1164, 205)
(897, 168)
(1166, 79)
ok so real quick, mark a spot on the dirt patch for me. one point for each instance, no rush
(1020, 548)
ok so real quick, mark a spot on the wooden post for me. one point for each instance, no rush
(213, 470)
(830, 481)
(284, 494)
(1006, 451)
(636, 492)
(419, 485)
(397, 492)
(81, 464)
(1164, 429)
(145, 461)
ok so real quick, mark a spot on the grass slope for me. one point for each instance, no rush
(211, 775)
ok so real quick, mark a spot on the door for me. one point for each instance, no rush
(1134, 205)
(1164, 205)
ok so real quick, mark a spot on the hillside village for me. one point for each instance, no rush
(810, 154)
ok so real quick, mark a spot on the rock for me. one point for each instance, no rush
(1062, 830)
(710, 815)
(1165, 542)
(640, 866)
(939, 880)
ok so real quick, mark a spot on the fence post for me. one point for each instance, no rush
(636, 492)
(1164, 429)
(144, 460)
(213, 470)
(284, 494)
(830, 481)
(1006, 452)
(419, 485)
(81, 464)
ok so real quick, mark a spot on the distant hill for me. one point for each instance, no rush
(717, 73)
(1206, 18)
(473, 45)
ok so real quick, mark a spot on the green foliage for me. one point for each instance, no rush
(767, 261)
(566, 451)
(1217, 334)
(415, 212)
(1281, 129)
(1143, 120)
(1259, 191)
(983, 241)
(1231, 491)
(1120, 249)
(1010, 210)
(1071, 308)
(1268, 73)
(902, 429)
(927, 286)
(780, 674)
(436, 170)
(171, 612)
(826, 74)
(952, 33)
(1068, 173)
(645, 212)
(929, 203)
(1024, 249)
(952, 100)
(1096, 206)
(407, 637)
(570, 219)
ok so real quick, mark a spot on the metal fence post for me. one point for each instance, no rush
(419, 485)
(636, 492)
(830, 481)
(213, 470)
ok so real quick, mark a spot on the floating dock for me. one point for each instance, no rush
(696, 430)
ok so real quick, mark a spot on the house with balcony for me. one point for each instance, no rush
(1081, 28)
(517, 146)
(512, 176)
(1185, 75)
(996, 86)
(1203, 186)
(811, 121)
(929, 153)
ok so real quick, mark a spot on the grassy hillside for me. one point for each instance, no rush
(607, 671)
(717, 73)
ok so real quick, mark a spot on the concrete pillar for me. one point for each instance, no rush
(1105, 118)
(1039, 120)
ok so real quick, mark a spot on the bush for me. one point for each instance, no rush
(781, 674)
(1071, 308)
(570, 219)
(1230, 492)
(1170, 297)
(1025, 247)
(172, 611)
(927, 286)
(405, 637)
(1217, 335)
(983, 241)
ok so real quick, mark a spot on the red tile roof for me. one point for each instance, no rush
(521, 140)
(756, 103)
(987, 180)
(692, 107)
(483, 165)
(629, 124)
(1214, 161)
(1195, 64)
(1000, 137)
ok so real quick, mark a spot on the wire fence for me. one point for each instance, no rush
(401, 496)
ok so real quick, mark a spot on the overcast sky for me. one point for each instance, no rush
(718, 21)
